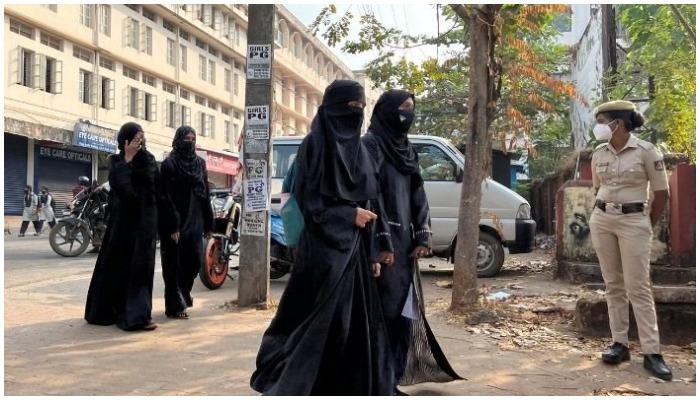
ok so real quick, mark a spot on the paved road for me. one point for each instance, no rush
(50, 350)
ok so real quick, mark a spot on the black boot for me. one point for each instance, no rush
(616, 354)
(655, 363)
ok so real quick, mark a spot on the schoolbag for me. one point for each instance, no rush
(53, 202)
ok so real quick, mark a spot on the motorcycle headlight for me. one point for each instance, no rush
(523, 211)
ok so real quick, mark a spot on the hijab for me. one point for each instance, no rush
(390, 127)
(187, 164)
(144, 164)
(333, 157)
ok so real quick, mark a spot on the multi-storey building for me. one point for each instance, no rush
(76, 72)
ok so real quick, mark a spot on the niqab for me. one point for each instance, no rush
(390, 126)
(143, 162)
(339, 165)
(187, 164)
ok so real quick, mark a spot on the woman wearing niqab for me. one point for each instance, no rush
(186, 215)
(121, 289)
(328, 335)
(404, 235)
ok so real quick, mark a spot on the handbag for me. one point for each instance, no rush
(292, 218)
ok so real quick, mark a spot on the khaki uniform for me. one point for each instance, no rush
(623, 241)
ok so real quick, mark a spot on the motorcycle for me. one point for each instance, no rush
(86, 222)
(224, 243)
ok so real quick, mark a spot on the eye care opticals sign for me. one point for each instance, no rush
(95, 137)
(63, 154)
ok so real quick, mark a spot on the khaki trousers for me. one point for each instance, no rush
(623, 245)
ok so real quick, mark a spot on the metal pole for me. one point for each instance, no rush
(254, 271)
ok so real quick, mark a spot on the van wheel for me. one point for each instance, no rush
(489, 256)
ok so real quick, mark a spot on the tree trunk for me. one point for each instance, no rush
(483, 71)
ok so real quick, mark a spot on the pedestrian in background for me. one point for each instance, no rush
(46, 211)
(622, 224)
(328, 335)
(404, 236)
(121, 288)
(185, 218)
(30, 213)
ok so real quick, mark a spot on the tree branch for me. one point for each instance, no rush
(684, 22)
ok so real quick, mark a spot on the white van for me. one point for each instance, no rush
(442, 170)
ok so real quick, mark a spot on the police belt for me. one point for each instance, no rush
(624, 208)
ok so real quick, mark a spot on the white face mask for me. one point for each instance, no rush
(602, 131)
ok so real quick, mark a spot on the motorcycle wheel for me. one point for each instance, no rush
(278, 269)
(214, 268)
(68, 240)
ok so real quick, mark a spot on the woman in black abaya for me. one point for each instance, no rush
(121, 288)
(186, 215)
(328, 336)
(403, 233)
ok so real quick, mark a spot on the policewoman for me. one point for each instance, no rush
(625, 170)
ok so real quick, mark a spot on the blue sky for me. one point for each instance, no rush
(413, 18)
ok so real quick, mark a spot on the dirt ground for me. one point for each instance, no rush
(530, 340)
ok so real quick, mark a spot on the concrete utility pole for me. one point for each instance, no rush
(254, 271)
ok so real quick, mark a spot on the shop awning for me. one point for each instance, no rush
(221, 161)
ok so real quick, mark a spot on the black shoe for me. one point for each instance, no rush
(397, 392)
(655, 363)
(20, 235)
(616, 354)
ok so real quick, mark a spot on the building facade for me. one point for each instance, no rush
(77, 72)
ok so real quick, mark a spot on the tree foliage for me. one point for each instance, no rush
(661, 52)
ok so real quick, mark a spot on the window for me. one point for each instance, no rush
(184, 35)
(148, 40)
(200, 100)
(105, 17)
(186, 115)
(434, 164)
(86, 14)
(106, 63)
(171, 114)
(52, 7)
(212, 72)
(21, 29)
(296, 49)
(149, 80)
(202, 68)
(51, 41)
(227, 132)
(227, 80)
(85, 87)
(169, 25)
(235, 129)
(170, 57)
(213, 105)
(206, 125)
(184, 94)
(134, 7)
(130, 72)
(183, 58)
(168, 88)
(52, 75)
(150, 106)
(107, 93)
(200, 43)
(37, 71)
(226, 59)
(149, 14)
(235, 84)
(83, 54)
(226, 110)
(237, 115)
(283, 156)
(132, 33)
(213, 51)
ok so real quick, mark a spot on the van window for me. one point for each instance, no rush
(282, 158)
(435, 165)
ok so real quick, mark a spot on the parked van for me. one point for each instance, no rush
(505, 215)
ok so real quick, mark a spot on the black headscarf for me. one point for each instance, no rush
(144, 164)
(187, 164)
(390, 126)
(334, 158)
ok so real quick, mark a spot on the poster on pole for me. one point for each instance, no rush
(256, 169)
(259, 61)
(255, 195)
(257, 146)
(254, 224)
(257, 122)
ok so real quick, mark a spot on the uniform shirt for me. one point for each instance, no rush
(623, 177)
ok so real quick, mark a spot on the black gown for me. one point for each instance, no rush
(328, 336)
(121, 289)
(404, 225)
(181, 210)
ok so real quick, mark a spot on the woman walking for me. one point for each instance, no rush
(121, 289)
(30, 213)
(46, 211)
(404, 237)
(186, 216)
(328, 336)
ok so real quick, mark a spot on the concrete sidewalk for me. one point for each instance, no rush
(50, 350)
